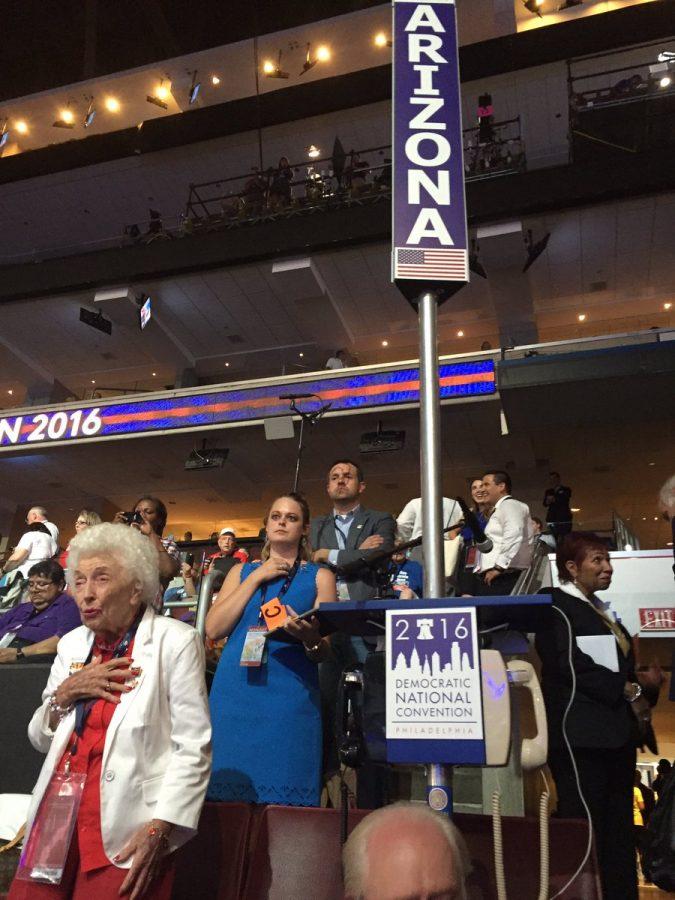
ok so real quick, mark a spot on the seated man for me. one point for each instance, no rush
(39, 541)
(36, 627)
(228, 555)
(407, 573)
(405, 850)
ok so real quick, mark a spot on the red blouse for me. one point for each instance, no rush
(86, 755)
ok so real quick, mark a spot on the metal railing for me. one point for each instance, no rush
(495, 150)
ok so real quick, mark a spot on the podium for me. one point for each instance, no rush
(439, 695)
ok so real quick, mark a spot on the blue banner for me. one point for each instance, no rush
(429, 236)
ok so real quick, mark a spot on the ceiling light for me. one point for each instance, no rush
(575, 509)
(154, 374)
(581, 317)
(301, 355)
(385, 343)
(273, 70)
(160, 96)
(665, 81)
(651, 464)
(666, 56)
(381, 40)
(656, 518)
(227, 365)
(313, 152)
(644, 518)
(92, 381)
(460, 333)
(112, 104)
(66, 119)
(21, 126)
(10, 392)
(323, 53)
(667, 305)
(533, 6)
(215, 80)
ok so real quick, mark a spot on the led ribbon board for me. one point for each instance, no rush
(429, 239)
(237, 406)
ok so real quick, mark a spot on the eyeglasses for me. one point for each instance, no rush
(80, 522)
(40, 585)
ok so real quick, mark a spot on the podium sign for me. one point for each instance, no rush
(429, 237)
(434, 711)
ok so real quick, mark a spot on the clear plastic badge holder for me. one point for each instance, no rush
(45, 853)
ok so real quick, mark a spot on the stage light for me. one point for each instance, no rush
(194, 88)
(21, 126)
(581, 317)
(323, 53)
(381, 40)
(160, 96)
(313, 152)
(533, 6)
(274, 71)
(215, 80)
(112, 104)
(90, 114)
(460, 333)
(667, 306)
(665, 81)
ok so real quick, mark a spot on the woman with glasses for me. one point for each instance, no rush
(34, 628)
(85, 518)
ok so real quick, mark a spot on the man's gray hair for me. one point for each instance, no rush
(355, 851)
(667, 497)
(132, 551)
(40, 510)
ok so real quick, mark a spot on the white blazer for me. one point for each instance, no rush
(157, 754)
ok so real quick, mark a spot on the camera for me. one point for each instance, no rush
(189, 559)
(133, 518)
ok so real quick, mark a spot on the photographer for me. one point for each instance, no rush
(149, 516)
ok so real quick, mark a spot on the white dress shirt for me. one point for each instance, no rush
(409, 522)
(510, 530)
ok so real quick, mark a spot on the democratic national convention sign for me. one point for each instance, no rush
(429, 239)
(434, 707)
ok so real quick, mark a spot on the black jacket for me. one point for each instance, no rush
(600, 716)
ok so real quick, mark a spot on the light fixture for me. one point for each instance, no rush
(385, 343)
(274, 71)
(667, 306)
(533, 6)
(215, 80)
(581, 317)
(301, 355)
(194, 89)
(575, 509)
(90, 115)
(112, 104)
(65, 119)
(154, 374)
(21, 126)
(323, 54)
(665, 81)
(313, 152)
(227, 365)
(92, 381)
(656, 518)
(666, 56)
(160, 96)
(460, 333)
(381, 40)
(10, 392)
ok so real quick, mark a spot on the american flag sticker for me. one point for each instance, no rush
(431, 263)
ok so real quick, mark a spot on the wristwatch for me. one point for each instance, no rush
(19, 653)
(637, 692)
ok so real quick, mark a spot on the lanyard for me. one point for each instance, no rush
(284, 587)
(84, 706)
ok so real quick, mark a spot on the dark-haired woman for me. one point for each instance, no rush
(265, 702)
(609, 713)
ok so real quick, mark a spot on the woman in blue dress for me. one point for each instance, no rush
(265, 707)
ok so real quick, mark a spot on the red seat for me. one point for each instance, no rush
(212, 866)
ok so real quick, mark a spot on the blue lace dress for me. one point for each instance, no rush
(267, 720)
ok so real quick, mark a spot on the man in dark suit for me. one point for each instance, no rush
(347, 539)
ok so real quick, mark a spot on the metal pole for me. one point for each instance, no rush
(204, 602)
(296, 480)
(439, 777)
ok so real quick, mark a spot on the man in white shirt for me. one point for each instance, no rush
(409, 522)
(36, 544)
(339, 361)
(510, 530)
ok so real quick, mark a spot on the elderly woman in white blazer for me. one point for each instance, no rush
(125, 703)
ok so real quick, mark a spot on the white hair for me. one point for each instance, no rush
(40, 510)
(133, 551)
(667, 497)
(355, 855)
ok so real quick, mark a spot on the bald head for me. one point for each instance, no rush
(405, 852)
(36, 514)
